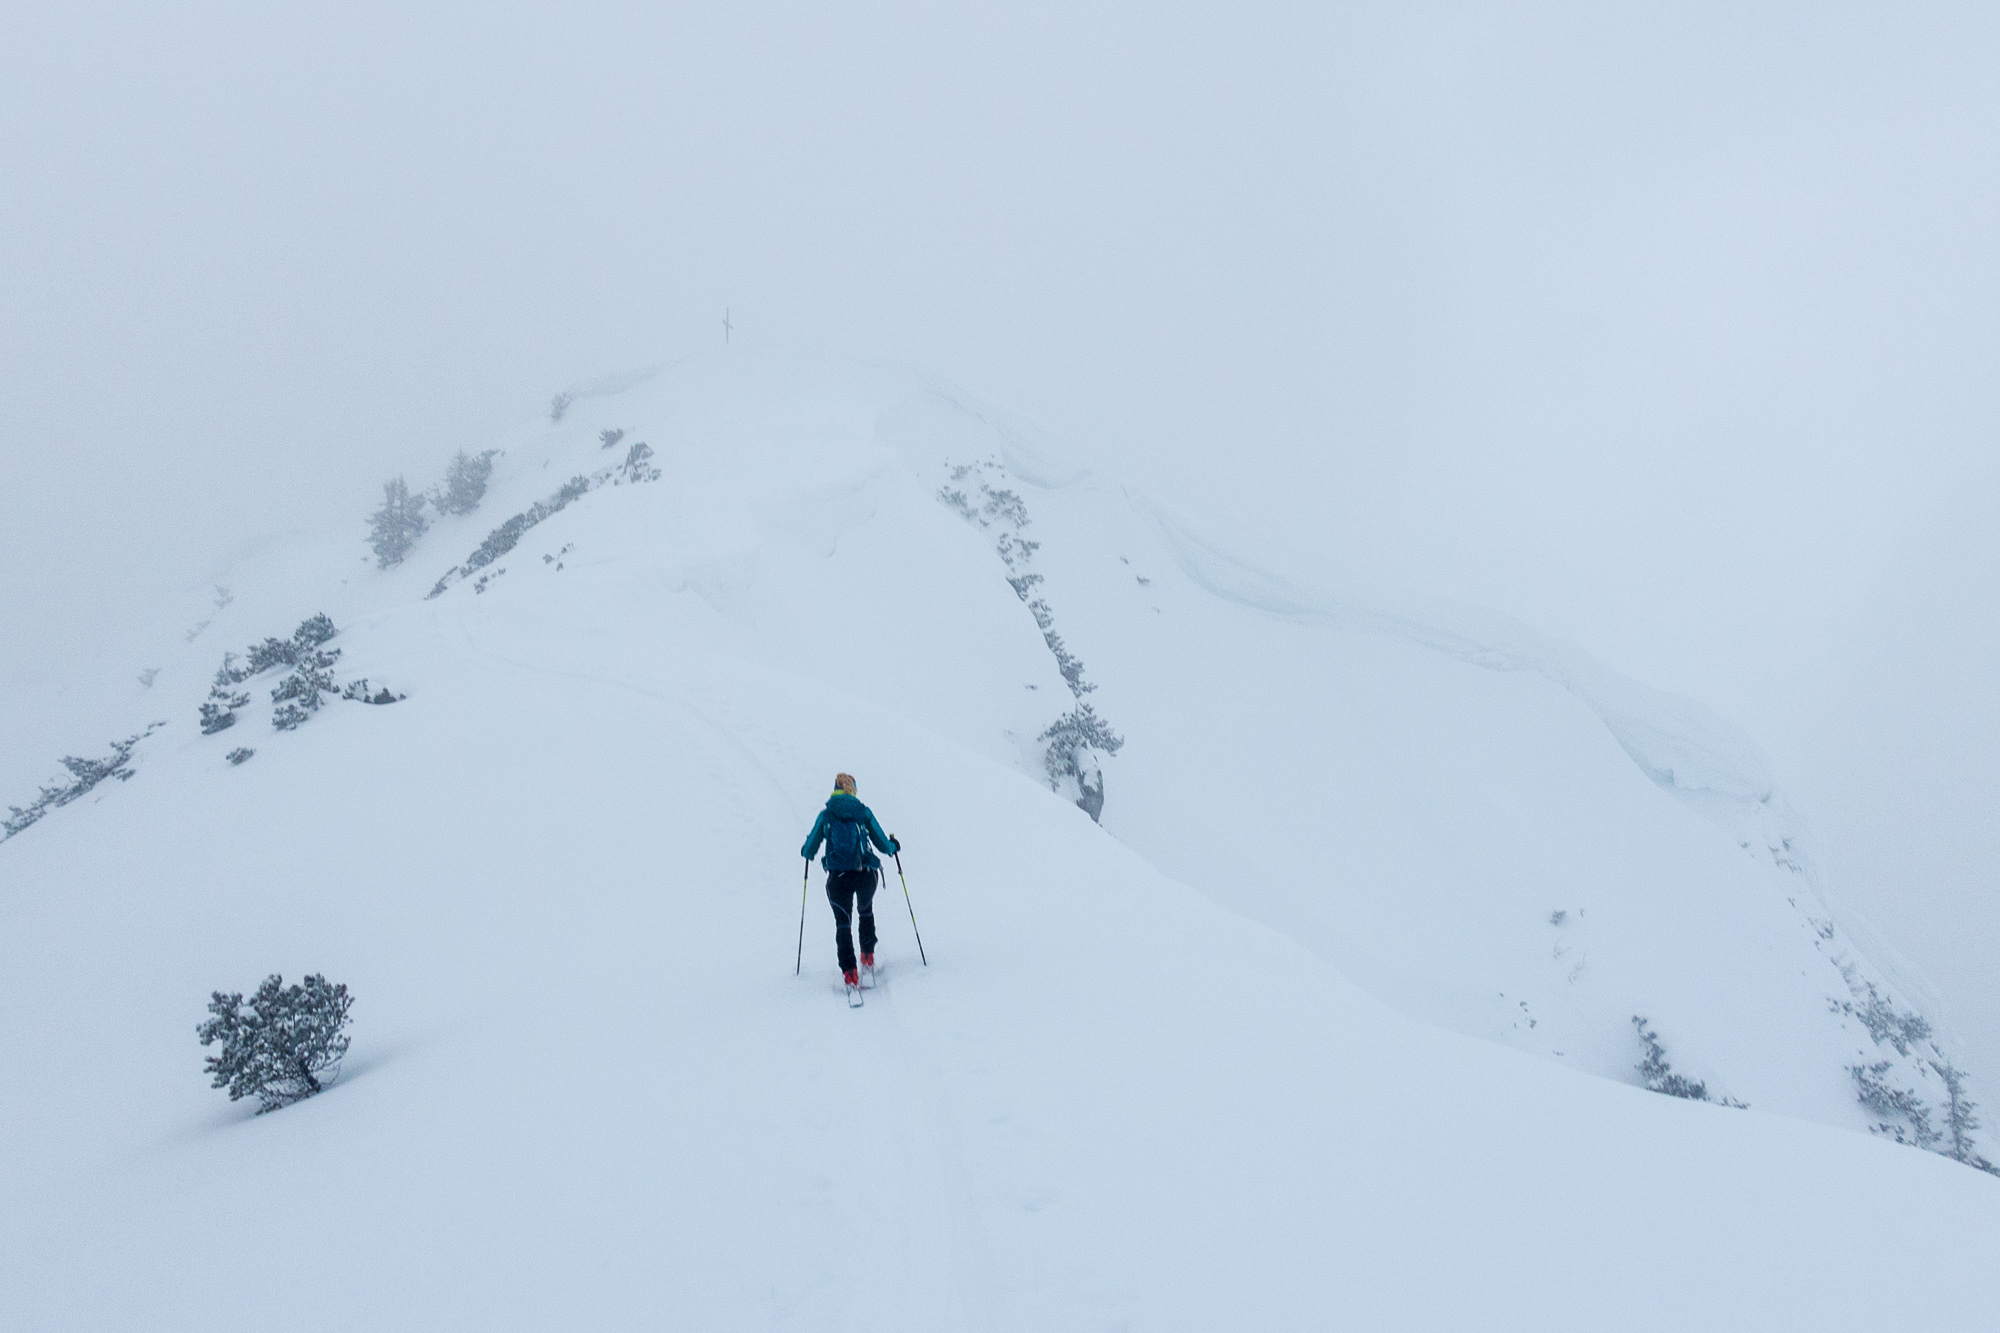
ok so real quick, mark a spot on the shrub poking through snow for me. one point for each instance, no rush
(464, 483)
(394, 528)
(310, 634)
(1961, 1120)
(239, 754)
(283, 1047)
(270, 653)
(1659, 1076)
(1078, 739)
(1905, 1117)
(559, 405)
(358, 691)
(1004, 507)
(219, 712)
(1883, 1020)
(1905, 1113)
(1006, 511)
(299, 693)
(84, 774)
(636, 466)
(607, 438)
(1067, 662)
(505, 537)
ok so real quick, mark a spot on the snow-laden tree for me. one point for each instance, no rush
(301, 693)
(314, 630)
(394, 528)
(1074, 741)
(219, 712)
(284, 1046)
(464, 483)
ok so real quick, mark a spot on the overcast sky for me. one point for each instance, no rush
(1672, 333)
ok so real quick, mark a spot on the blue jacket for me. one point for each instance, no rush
(842, 806)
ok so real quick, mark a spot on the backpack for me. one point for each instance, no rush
(846, 845)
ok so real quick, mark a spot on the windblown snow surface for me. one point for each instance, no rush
(1328, 1024)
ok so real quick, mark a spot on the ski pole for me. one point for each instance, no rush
(913, 911)
(805, 882)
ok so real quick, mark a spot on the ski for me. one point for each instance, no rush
(868, 978)
(853, 997)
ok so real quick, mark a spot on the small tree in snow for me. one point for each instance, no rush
(1659, 1076)
(283, 1047)
(394, 528)
(637, 467)
(464, 483)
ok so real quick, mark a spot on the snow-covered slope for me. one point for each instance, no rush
(1193, 1068)
(1488, 830)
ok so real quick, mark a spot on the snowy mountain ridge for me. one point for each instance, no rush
(1161, 1069)
(1708, 765)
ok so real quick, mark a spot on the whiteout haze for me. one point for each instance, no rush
(1297, 959)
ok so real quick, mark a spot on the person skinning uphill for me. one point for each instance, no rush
(847, 827)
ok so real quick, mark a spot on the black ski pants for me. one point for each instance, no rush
(848, 890)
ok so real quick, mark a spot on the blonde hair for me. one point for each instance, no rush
(844, 782)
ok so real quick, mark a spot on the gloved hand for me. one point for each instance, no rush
(895, 845)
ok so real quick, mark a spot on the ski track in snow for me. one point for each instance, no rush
(936, 1210)
(562, 878)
